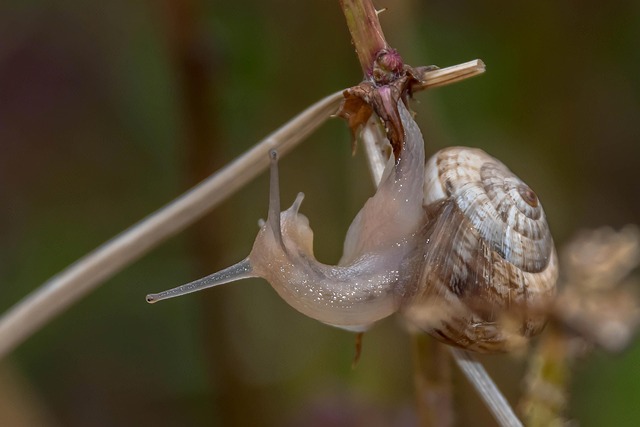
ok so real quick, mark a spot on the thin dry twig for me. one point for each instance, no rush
(81, 277)
(376, 150)
(377, 153)
(449, 75)
(62, 290)
(486, 388)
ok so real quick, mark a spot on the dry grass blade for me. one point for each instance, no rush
(486, 388)
(375, 148)
(449, 75)
(470, 367)
(62, 290)
(80, 278)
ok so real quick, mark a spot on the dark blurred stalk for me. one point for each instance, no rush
(432, 381)
(195, 63)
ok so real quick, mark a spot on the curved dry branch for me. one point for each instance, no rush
(486, 388)
(81, 277)
(472, 369)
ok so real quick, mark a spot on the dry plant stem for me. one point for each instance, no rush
(446, 76)
(486, 388)
(372, 133)
(432, 384)
(64, 289)
(375, 152)
(366, 32)
(469, 365)
(77, 280)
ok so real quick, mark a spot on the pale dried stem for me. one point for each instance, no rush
(376, 147)
(62, 290)
(449, 75)
(432, 412)
(473, 370)
(81, 277)
(486, 388)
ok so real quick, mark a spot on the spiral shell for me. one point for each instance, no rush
(488, 267)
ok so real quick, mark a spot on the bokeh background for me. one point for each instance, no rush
(108, 110)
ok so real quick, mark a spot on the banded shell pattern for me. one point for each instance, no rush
(487, 285)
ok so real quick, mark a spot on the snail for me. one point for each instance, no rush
(455, 245)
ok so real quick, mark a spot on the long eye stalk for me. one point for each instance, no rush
(274, 199)
(241, 270)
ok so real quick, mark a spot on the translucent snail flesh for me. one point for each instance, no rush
(422, 245)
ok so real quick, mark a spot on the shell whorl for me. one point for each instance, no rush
(504, 210)
(488, 254)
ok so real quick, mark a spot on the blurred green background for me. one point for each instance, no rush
(108, 110)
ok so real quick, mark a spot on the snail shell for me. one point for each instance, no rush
(460, 247)
(488, 268)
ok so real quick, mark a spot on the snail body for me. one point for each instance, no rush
(419, 246)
